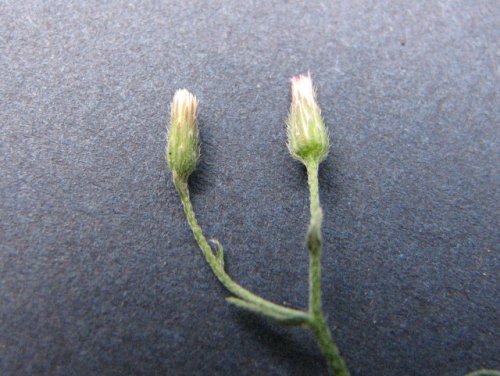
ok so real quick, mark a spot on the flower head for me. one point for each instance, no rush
(183, 149)
(307, 134)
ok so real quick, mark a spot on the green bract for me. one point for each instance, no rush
(183, 150)
(308, 139)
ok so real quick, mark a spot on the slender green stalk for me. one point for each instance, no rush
(484, 372)
(314, 318)
(216, 263)
(318, 324)
(314, 240)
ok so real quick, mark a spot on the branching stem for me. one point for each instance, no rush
(318, 324)
(215, 261)
(314, 318)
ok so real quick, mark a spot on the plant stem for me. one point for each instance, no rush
(318, 324)
(314, 240)
(216, 263)
(314, 318)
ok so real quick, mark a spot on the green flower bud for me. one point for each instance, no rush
(183, 149)
(307, 134)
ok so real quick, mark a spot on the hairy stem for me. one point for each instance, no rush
(318, 323)
(215, 261)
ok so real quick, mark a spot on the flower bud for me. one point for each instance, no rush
(183, 148)
(307, 134)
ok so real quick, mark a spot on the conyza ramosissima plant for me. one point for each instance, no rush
(309, 143)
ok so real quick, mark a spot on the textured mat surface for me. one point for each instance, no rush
(99, 273)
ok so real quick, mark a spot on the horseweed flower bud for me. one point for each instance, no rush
(183, 148)
(307, 134)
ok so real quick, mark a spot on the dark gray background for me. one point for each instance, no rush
(99, 273)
